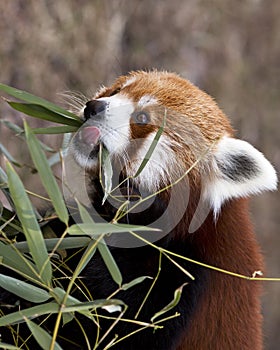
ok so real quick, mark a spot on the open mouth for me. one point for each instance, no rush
(90, 135)
(87, 142)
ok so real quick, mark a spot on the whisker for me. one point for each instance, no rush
(74, 100)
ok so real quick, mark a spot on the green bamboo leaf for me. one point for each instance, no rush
(3, 177)
(4, 186)
(91, 248)
(53, 308)
(110, 262)
(13, 127)
(8, 224)
(134, 282)
(85, 215)
(97, 229)
(51, 243)
(8, 346)
(74, 305)
(8, 155)
(19, 131)
(41, 163)
(6, 192)
(55, 130)
(43, 338)
(44, 113)
(27, 97)
(16, 261)
(87, 256)
(30, 225)
(151, 148)
(23, 290)
(111, 305)
(32, 312)
(172, 304)
(60, 297)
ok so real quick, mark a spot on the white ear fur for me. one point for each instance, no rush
(240, 171)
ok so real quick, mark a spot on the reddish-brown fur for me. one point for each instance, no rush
(229, 315)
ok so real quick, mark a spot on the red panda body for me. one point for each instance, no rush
(204, 216)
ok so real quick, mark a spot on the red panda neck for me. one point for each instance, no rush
(230, 242)
(228, 316)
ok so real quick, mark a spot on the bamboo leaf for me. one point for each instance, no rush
(55, 130)
(30, 225)
(110, 262)
(3, 177)
(23, 290)
(97, 229)
(74, 305)
(85, 216)
(19, 131)
(8, 155)
(151, 148)
(41, 163)
(53, 308)
(88, 254)
(13, 127)
(51, 243)
(172, 304)
(44, 113)
(32, 312)
(107, 171)
(8, 346)
(134, 282)
(92, 305)
(16, 261)
(43, 338)
(27, 97)
(60, 294)
(91, 248)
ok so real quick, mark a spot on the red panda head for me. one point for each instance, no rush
(126, 117)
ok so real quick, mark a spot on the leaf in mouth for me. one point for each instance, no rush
(107, 170)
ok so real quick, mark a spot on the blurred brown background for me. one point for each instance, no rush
(231, 49)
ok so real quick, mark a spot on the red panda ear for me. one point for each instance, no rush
(240, 171)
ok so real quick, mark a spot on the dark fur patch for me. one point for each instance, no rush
(238, 167)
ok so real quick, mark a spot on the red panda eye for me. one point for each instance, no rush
(141, 118)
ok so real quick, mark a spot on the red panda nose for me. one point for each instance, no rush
(94, 108)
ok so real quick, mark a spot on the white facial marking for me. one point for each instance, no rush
(115, 127)
(147, 100)
(162, 167)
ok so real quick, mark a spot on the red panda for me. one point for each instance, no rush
(204, 216)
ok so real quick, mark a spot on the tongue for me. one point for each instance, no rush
(90, 135)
